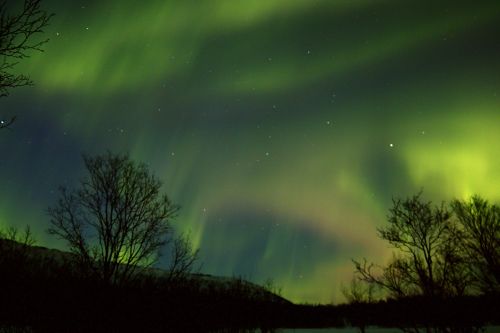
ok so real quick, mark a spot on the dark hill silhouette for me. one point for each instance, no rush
(205, 281)
(35, 250)
(42, 289)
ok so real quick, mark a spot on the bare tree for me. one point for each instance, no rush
(17, 40)
(182, 259)
(117, 220)
(426, 261)
(12, 234)
(431, 264)
(359, 294)
(15, 249)
(359, 291)
(272, 287)
(480, 240)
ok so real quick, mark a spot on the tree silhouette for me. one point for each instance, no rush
(14, 248)
(430, 275)
(480, 240)
(359, 291)
(117, 221)
(17, 33)
(182, 259)
(427, 261)
(359, 294)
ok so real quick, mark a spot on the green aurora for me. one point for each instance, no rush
(283, 128)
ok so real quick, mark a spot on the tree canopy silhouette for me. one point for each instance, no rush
(446, 259)
(427, 261)
(117, 220)
(480, 240)
(17, 41)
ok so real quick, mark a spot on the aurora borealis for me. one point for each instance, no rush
(282, 128)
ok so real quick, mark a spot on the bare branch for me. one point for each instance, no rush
(183, 258)
(18, 39)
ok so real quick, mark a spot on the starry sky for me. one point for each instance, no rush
(283, 128)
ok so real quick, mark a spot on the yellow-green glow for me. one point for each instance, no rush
(465, 166)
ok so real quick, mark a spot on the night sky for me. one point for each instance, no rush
(283, 128)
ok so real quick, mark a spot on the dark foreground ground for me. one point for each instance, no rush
(42, 294)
